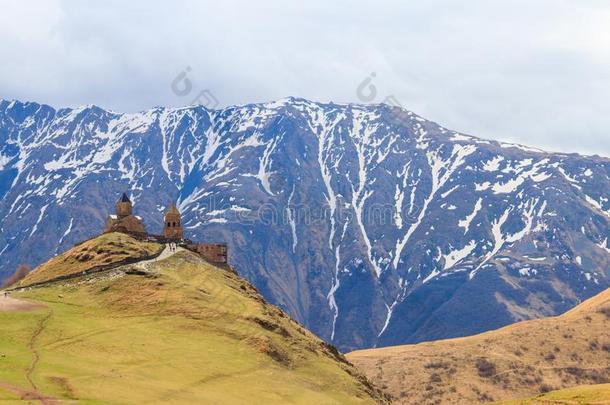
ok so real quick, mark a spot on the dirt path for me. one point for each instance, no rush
(143, 264)
(32, 346)
(9, 304)
(26, 395)
(167, 252)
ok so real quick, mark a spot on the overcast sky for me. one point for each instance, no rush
(531, 71)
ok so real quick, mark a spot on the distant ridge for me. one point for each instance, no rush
(521, 360)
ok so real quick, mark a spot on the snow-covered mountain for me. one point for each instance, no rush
(369, 224)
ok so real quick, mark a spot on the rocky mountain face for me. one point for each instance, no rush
(369, 224)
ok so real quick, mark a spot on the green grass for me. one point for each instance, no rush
(191, 333)
(581, 395)
(106, 249)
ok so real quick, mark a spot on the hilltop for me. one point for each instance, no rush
(104, 250)
(172, 328)
(518, 361)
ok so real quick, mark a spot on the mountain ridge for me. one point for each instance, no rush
(289, 99)
(351, 214)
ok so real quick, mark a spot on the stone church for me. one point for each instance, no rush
(124, 221)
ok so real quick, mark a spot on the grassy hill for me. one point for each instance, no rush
(178, 330)
(104, 250)
(582, 395)
(520, 361)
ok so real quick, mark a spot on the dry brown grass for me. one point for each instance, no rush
(521, 360)
(22, 271)
(104, 250)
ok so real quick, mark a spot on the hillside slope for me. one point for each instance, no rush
(368, 224)
(518, 361)
(582, 395)
(176, 330)
(105, 250)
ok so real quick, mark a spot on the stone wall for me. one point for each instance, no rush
(212, 252)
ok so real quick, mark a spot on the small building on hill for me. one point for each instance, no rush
(212, 252)
(172, 228)
(124, 221)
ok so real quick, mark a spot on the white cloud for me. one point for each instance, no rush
(534, 72)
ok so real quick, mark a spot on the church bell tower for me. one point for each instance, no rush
(123, 206)
(172, 228)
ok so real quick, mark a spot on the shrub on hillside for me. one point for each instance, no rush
(435, 378)
(437, 365)
(593, 345)
(22, 271)
(550, 357)
(485, 368)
